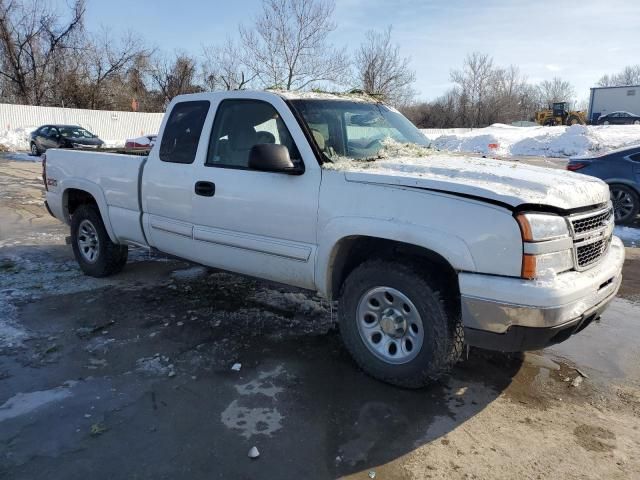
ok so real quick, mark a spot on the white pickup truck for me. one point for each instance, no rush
(340, 195)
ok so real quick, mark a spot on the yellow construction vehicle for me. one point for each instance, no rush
(559, 114)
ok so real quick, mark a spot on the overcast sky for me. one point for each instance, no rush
(579, 40)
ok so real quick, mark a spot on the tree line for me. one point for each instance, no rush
(48, 57)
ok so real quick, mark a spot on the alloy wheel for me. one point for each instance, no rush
(622, 203)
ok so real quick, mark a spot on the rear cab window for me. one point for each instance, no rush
(182, 132)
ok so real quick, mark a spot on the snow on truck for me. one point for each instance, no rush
(339, 194)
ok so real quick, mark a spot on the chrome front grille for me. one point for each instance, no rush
(591, 236)
(591, 253)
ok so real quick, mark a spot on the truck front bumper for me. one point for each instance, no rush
(511, 314)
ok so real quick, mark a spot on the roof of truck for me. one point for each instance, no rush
(356, 96)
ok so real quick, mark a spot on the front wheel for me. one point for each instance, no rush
(34, 150)
(636, 122)
(396, 324)
(626, 203)
(96, 254)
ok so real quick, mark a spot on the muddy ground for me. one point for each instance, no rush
(131, 377)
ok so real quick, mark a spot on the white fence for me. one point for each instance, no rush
(111, 126)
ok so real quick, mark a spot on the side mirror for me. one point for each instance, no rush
(269, 157)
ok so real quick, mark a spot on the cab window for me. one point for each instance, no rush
(241, 124)
(182, 132)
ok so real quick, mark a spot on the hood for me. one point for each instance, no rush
(508, 182)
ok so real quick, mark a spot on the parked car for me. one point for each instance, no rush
(62, 136)
(144, 142)
(424, 252)
(619, 118)
(621, 170)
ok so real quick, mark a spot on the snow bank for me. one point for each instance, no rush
(16, 139)
(506, 140)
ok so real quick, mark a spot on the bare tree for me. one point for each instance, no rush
(483, 94)
(288, 48)
(223, 67)
(108, 61)
(474, 84)
(555, 90)
(381, 70)
(32, 39)
(630, 75)
(175, 76)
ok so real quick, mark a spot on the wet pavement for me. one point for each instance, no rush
(131, 377)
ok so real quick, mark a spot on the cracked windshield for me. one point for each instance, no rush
(346, 130)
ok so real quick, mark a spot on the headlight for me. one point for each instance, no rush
(536, 227)
(546, 264)
(547, 245)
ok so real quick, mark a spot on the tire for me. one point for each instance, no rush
(574, 121)
(626, 203)
(35, 152)
(636, 122)
(96, 254)
(440, 324)
(606, 122)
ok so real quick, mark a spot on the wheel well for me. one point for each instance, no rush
(73, 198)
(631, 186)
(352, 251)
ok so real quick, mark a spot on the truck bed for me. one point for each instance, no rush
(112, 178)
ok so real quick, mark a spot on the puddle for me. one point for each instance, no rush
(608, 348)
(25, 403)
(251, 421)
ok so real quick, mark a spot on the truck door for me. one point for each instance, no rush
(167, 179)
(255, 222)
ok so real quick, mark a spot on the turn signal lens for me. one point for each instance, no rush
(528, 267)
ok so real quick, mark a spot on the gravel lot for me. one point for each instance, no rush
(131, 377)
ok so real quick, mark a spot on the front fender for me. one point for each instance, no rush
(96, 192)
(450, 247)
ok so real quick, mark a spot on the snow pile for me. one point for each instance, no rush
(511, 182)
(506, 140)
(19, 139)
(16, 139)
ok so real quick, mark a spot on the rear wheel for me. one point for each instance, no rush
(625, 203)
(96, 254)
(636, 122)
(606, 122)
(396, 324)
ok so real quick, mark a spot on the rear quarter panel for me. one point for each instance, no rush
(112, 179)
(614, 170)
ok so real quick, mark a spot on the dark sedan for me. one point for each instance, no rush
(621, 170)
(62, 136)
(619, 118)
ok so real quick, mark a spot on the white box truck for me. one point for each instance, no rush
(606, 100)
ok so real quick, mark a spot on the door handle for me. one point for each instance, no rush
(205, 189)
